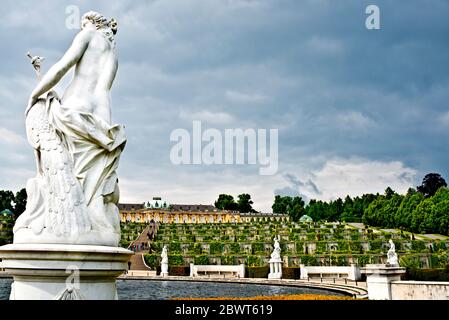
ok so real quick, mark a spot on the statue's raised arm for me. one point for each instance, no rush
(59, 69)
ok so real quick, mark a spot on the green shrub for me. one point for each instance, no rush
(441, 245)
(355, 246)
(201, 260)
(308, 260)
(175, 260)
(439, 260)
(216, 248)
(174, 247)
(228, 260)
(299, 247)
(343, 246)
(375, 245)
(197, 248)
(156, 246)
(234, 248)
(410, 261)
(152, 260)
(311, 236)
(355, 236)
(342, 260)
(418, 246)
(363, 260)
(321, 247)
(253, 261)
(258, 247)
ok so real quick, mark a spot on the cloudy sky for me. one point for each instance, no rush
(357, 110)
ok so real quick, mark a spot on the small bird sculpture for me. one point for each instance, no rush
(36, 61)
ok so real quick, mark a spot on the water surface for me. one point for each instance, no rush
(163, 290)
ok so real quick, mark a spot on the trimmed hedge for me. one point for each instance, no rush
(309, 260)
(291, 272)
(418, 246)
(175, 260)
(427, 274)
(216, 248)
(257, 272)
(235, 248)
(201, 260)
(363, 260)
(178, 271)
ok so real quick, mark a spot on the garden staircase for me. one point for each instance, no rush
(137, 260)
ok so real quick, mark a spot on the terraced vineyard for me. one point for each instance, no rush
(301, 243)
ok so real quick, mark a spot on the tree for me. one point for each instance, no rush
(226, 202)
(421, 217)
(244, 203)
(372, 213)
(348, 209)
(317, 210)
(389, 193)
(335, 210)
(293, 206)
(382, 211)
(430, 184)
(280, 204)
(437, 220)
(20, 201)
(6, 200)
(403, 218)
(296, 209)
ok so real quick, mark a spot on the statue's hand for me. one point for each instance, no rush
(31, 103)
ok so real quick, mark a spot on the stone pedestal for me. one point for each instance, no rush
(64, 272)
(379, 278)
(164, 269)
(275, 269)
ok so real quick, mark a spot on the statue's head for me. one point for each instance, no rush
(99, 21)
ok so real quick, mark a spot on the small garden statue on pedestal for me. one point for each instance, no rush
(392, 257)
(164, 262)
(276, 261)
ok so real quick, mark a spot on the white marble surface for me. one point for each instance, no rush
(379, 279)
(42, 271)
(419, 290)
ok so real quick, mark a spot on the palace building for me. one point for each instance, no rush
(162, 211)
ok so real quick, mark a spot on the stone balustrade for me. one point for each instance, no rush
(235, 270)
(352, 272)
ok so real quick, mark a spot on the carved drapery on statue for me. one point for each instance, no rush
(74, 199)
